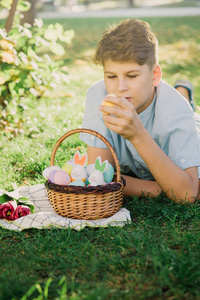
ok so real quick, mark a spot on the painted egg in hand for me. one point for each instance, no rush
(107, 103)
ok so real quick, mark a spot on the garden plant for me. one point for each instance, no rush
(156, 255)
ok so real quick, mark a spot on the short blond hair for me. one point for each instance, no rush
(129, 40)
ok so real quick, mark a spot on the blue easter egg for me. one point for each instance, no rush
(109, 173)
(86, 181)
(77, 183)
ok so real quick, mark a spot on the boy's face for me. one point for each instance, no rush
(132, 81)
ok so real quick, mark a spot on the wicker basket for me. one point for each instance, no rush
(87, 203)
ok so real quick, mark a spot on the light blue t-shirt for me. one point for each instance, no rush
(169, 119)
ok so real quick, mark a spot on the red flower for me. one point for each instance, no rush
(7, 210)
(21, 211)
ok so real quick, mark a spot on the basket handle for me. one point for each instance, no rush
(95, 133)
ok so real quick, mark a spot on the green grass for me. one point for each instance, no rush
(156, 256)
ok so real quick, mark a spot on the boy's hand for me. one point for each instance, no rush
(121, 117)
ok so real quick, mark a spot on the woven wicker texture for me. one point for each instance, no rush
(86, 203)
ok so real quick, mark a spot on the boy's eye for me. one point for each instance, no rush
(131, 76)
(113, 76)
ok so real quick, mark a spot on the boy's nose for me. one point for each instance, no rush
(122, 86)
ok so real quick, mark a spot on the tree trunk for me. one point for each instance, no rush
(29, 16)
(131, 3)
(11, 15)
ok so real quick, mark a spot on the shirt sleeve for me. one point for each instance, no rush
(93, 118)
(179, 135)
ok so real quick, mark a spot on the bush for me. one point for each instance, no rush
(27, 71)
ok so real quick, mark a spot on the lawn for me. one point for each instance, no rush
(156, 256)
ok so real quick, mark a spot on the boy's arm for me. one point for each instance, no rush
(138, 187)
(94, 152)
(134, 186)
(178, 184)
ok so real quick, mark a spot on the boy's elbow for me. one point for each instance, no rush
(188, 198)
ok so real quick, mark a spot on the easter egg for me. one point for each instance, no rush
(86, 181)
(77, 183)
(89, 169)
(61, 178)
(48, 170)
(107, 103)
(108, 173)
(67, 168)
(70, 162)
(96, 178)
(78, 173)
(51, 176)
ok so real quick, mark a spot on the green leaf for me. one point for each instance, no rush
(42, 41)
(46, 288)
(21, 42)
(6, 75)
(23, 57)
(67, 36)
(59, 28)
(6, 4)
(27, 202)
(38, 22)
(57, 49)
(51, 34)
(5, 198)
(23, 5)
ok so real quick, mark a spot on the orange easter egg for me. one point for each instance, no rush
(107, 103)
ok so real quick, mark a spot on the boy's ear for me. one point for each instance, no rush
(157, 75)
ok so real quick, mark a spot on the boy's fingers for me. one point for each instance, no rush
(115, 105)
(122, 102)
(114, 110)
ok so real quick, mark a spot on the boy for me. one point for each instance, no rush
(150, 125)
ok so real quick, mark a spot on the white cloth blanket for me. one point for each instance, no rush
(44, 216)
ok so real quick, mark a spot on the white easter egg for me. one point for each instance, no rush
(78, 173)
(89, 169)
(48, 170)
(96, 178)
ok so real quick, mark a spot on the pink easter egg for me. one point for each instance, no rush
(51, 176)
(62, 178)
